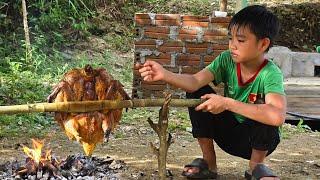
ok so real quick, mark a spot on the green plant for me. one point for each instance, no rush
(21, 125)
(178, 119)
(302, 127)
(119, 135)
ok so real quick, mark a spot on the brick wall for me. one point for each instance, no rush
(181, 43)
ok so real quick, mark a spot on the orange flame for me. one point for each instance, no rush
(36, 152)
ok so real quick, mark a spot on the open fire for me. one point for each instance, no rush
(43, 165)
(38, 161)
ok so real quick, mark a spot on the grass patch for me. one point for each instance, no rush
(288, 130)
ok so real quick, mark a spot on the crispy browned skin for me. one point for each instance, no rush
(84, 85)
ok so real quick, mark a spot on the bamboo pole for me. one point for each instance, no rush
(87, 106)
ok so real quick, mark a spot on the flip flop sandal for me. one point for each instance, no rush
(259, 172)
(204, 172)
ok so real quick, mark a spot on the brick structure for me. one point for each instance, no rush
(181, 43)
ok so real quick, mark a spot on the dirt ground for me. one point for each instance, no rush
(297, 157)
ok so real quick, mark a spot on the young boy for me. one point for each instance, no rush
(245, 121)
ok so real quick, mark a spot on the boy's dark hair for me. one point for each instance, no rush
(261, 22)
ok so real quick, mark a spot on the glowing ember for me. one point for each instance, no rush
(36, 153)
(42, 165)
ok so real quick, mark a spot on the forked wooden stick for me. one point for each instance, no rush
(165, 138)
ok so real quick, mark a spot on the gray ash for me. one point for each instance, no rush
(73, 167)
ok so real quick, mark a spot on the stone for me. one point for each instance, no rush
(282, 57)
(304, 64)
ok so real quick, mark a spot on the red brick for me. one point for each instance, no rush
(165, 30)
(156, 32)
(162, 58)
(210, 58)
(188, 31)
(156, 35)
(217, 52)
(195, 18)
(160, 61)
(170, 49)
(222, 39)
(197, 48)
(220, 19)
(168, 17)
(220, 46)
(171, 22)
(187, 37)
(215, 32)
(143, 22)
(141, 16)
(188, 63)
(206, 64)
(190, 70)
(197, 45)
(145, 44)
(171, 46)
(220, 25)
(195, 23)
(188, 57)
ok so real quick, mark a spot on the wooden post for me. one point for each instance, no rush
(26, 31)
(164, 137)
(223, 5)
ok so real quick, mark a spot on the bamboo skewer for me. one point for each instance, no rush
(87, 106)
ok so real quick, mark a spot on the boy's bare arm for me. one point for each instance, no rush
(273, 112)
(188, 82)
(152, 71)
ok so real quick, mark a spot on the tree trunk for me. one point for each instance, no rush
(223, 5)
(87, 106)
(26, 30)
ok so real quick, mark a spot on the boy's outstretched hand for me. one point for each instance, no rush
(214, 104)
(151, 71)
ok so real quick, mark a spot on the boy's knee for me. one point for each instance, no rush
(264, 137)
(200, 92)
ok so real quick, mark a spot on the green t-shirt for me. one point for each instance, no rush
(269, 79)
